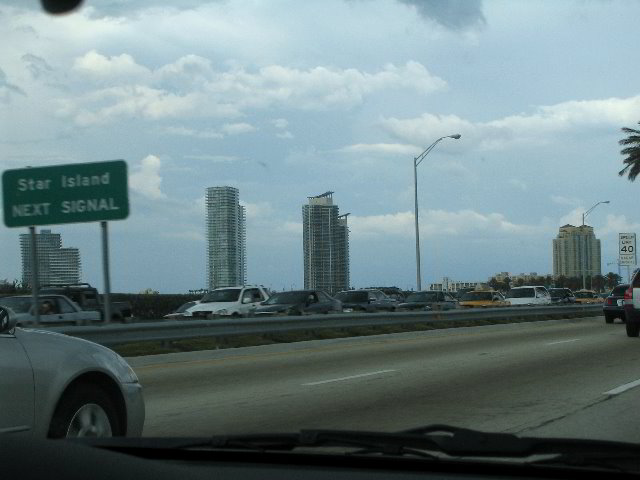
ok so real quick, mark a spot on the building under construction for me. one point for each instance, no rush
(325, 245)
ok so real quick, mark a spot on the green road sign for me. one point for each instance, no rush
(81, 192)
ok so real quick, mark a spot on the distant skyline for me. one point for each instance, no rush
(286, 99)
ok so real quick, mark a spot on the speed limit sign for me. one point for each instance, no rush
(627, 246)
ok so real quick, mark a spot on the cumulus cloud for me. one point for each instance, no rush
(382, 149)
(618, 224)
(7, 89)
(258, 210)
(238, 128)
(525, 128)
(146, 179)
(562, 200)
(280, 123)
(190, 132)
(191, 87)
(438, 222)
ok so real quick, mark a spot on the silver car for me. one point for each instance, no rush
(57, 386)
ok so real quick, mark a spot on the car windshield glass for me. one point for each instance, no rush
(422, 297)
(287, 298)
(521, 293)
(181, 158)
(619, 290)
(17, 304)
(471, 296)
(356, 297)
(226, 295)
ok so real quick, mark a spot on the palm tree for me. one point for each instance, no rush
(632, 151)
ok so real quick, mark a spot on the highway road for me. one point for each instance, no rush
(573, 378)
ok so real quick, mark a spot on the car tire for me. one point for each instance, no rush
(85, 411)
(633, 329)
(608, 318)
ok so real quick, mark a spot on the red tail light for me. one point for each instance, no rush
(628, 293)
(609, 301)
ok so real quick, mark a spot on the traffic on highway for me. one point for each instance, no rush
(282, 239)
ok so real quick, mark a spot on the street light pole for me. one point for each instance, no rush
(584, 250)
(416, 161)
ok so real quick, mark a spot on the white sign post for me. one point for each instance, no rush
(627, 248)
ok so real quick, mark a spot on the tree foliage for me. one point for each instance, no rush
(631, 151)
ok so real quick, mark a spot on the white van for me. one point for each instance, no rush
(529, 295)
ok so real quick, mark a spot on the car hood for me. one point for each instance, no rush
(210, 307)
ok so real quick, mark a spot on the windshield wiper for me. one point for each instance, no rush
(436, 442)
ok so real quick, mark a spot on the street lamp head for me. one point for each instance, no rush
(606, 201)
(456, 136)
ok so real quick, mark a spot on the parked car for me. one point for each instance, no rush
(562, 295)
(366, 300)
(529, 295)
(53, 385)
(613, 306)
(429, 300)
(88, 298)
(482, 298)
(299, 302)
(588, 296)
(228, 302)
(53, 309)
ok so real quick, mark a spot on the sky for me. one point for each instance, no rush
(288, 99)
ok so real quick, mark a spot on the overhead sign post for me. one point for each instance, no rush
(59, 194)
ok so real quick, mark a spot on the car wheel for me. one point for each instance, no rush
(235, 315)
(85, 411)
(608, 318)
(633, 329)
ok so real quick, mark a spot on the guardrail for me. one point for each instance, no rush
(118, 334)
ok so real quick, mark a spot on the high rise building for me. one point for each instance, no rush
(226, 238)
(325, 240)
(56, 265)
(576, 249)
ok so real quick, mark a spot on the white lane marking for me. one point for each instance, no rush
(563, 341)
(623, 388)
(349, 377)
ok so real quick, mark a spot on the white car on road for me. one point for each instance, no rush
(529, 295)
(53, 385)
(229, 302)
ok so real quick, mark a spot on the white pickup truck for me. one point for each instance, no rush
(54, 309)
(228, 302)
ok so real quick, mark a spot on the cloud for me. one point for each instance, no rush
(453, 14)
(382, 149)
(213, 158)
(285, 135)
(146, 179)
(618, 224)
(238, 128)
(189, 132)
(521, 129)
(259, 210)
(280, 123)
(190, 87)
(562, 200)
(439, 222)
(8, 89)
(102, 66)
(37, 66)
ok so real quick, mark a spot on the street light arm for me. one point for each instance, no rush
(584, 215)
(421, 157)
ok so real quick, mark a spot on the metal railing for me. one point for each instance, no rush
(118, 334)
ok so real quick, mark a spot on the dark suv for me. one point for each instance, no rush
(632, 306)
(613, 306)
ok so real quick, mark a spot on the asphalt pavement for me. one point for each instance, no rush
(563, 378)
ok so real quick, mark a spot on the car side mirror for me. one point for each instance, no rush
(6, 321)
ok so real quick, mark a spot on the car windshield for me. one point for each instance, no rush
(473, 295)
(422, 297)
(619, 290)
(288, 298)
(178, 159)
(521, 293)
(17, 304)
(557, 292)
(356, 297)
(225, 295)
